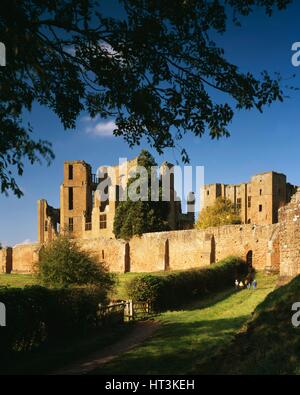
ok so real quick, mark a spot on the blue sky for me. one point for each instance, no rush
(258, 142)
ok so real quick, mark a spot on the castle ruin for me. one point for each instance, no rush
(268, 238)
(84, 214)
(258, 201)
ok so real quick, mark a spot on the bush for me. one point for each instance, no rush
(63, 263)
(172, 290)
(38, 315)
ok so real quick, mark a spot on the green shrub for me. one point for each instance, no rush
(172, 290)
(63, 263)
(38, 315)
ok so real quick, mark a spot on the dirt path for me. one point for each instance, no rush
(141, 332)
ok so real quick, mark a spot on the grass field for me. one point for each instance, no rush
(189, 338)
(270, 343)
(17, 280)
(21, 280)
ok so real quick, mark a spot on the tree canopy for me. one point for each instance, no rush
(222, 212)
(138, 217)
(151, 66)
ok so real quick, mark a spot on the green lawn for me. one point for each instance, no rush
(17, 280)
(20, 280)
(189, 338)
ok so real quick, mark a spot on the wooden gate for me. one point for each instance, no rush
(125, 311)
(137, 310)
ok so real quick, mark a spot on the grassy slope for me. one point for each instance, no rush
(269, 344)
(190, 337)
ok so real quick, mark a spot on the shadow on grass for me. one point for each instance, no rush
(176, 348)
(204, 301)
(183, 342)
(51, 357)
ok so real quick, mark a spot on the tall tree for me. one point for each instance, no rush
(151, 66)
(138, 217)
(222, 212)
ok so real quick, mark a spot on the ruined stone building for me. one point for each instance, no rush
(258, 200)
(271, 242)
(84, 214)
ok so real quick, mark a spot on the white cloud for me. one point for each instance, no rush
(26, 241)
(101, 129)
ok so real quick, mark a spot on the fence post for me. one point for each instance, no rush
(126, 310)
(130, 309)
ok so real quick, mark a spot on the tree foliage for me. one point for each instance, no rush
(223, 212)
(138, 217)
(63, 263)
(151, 66)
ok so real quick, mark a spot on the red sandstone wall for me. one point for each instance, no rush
(196, 248)
(25, 258)
(3, 260)
(239, 239)
(109, 251)
(147, 253)
(289, 237)
(175, 250)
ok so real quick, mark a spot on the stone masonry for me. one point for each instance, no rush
(174, 250)
(258, 200)
(273, 247)
(85, 214)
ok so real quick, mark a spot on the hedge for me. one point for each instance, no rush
(170, 291)
(37, 315)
